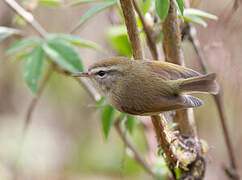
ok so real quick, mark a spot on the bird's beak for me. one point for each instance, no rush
(81, 74)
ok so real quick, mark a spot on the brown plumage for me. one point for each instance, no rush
(146, 87)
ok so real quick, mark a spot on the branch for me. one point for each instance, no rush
(148, 32)
(218, 100)
(137, 156)
(184, 118)
(132, 28)
(167, 140)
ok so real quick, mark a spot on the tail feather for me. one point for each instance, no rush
(191, 101)
(205, 83)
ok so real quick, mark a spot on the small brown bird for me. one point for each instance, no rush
(146, 87)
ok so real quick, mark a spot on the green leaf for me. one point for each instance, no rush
(199, 13)
(180, 4)
(177, 172)
(79, 2)
(65, 55)
(24, 43)
(160, 151)
(145, 6)
(108, 114)
(6, 32)
(162, 8)
(74, 40)
(33, 68)
(94, 10)
(101, 101)
(118, 38)
(50, 2)
(129, 123)
(195, 19)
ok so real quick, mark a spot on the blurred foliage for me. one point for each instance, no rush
(37, 53)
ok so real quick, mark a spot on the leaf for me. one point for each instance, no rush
(180, 4)
(177, 172)
(6, 32)
(129, 123)
(195, 19)
(107, 116)
(24, 43)
(160, 151)
(101, 101)
(118, 38)
(145, 6)
(199, 13)
(162, 8)
(19, 56)
(75, 41)
(79, 2)
(65, 55)
(94, 10)
(33, 68)
(50, 2)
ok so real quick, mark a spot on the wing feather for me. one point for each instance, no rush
(170, 71)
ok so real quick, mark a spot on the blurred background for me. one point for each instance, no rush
(65, 141)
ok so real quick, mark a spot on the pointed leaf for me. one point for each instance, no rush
(195, 19)
(25, 43)
(180, 4)
(107, 115)
(50, 2)
(199, 13)
(94, 10)
(75, 41)
(33, 68)
(6, 32)
(65, 55)
(129, 123)
(162, 8)
(79, 2)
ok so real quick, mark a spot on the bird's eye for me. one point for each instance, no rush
(101, 73)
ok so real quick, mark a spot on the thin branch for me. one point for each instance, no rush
(217, 98)
(148, 32)
(137, 156)
(26, 16)
(132, 28)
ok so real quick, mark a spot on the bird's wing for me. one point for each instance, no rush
(170, 71)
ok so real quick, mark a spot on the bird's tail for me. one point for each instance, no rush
(204, 83)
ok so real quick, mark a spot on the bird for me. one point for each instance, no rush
(148, 87)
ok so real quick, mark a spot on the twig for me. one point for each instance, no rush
(148, 32)
(217, 98)
(132, 28)
(26, 16)
(137, 156)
